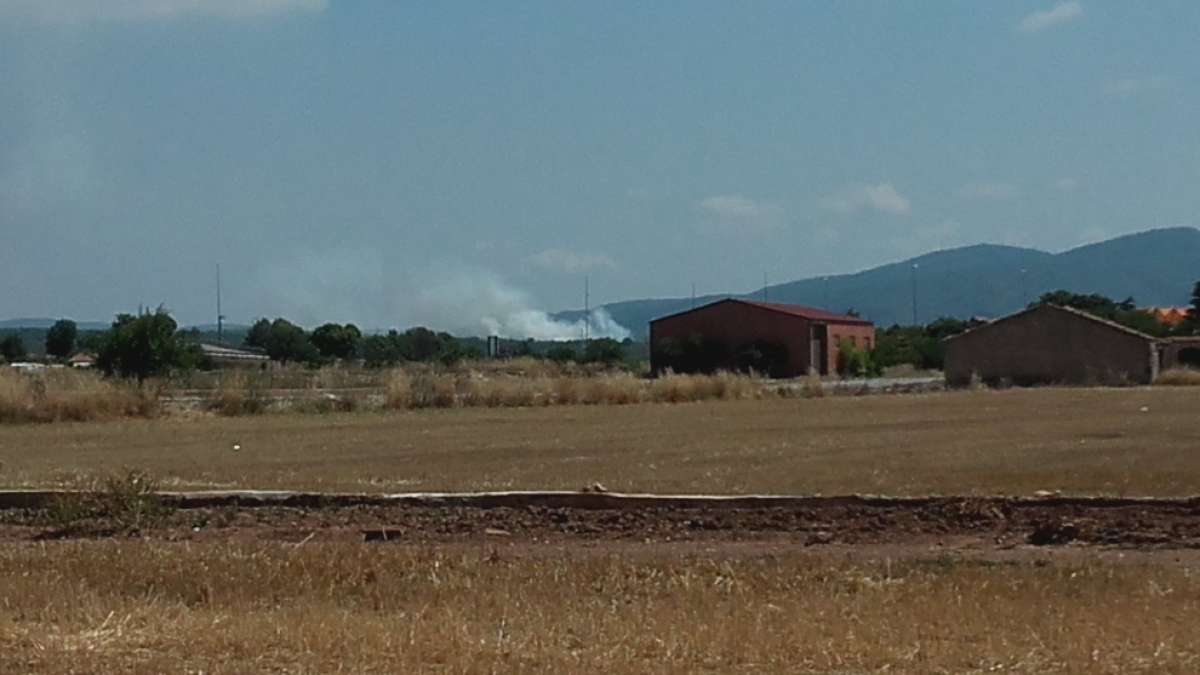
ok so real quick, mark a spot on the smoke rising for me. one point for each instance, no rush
(479, 303)
(355, 285)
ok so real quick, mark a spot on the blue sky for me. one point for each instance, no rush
(466, 164)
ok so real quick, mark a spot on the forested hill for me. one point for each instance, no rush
(1157, 267)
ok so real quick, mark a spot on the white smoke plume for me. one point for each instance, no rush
(355, 285)
(479, 303)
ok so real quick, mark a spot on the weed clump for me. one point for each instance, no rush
(127, 503)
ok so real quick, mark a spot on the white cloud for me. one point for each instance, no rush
(86, 11)
(1134, 85)
(737, 213)
(1040, 21)
(995, 191)
(569, 262)
(1066, 184)
(882, 197)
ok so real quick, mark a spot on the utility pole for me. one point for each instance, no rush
(826, 284)
(1024, 289)
(220, 316)
(914, 294)
(764, 286)
(693, 295)
(587, 311)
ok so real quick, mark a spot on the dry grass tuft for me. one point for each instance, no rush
(67, 395)
(1179, 377)
(239, 392)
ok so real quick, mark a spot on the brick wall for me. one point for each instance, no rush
(736, 324)
(1051, 345)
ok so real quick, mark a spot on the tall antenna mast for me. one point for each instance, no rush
(220, 316)
(764, 286)
(587, 311)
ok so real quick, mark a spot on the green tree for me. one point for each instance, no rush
(144, 346)
(12, 348)
(603, 350)
(561, 354)
(1193, 315)
(1093, 303)
(416, 344)
(282, 340)
(61, 338)
(336, 342)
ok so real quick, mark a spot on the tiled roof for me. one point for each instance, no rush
(810, 313)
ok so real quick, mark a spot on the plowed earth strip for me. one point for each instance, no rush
(987, 523)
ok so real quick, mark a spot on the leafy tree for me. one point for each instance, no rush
(422, 344)
(1094, 303)
(61, 338)
(1124, 312)
(12, 348)
(282, 340)
(603, 350)
(855, 362)
(415, 344)
(1193, 315)
(144, 346)
(561, 354)
(336, 342)
(382, 350)
(1144, 322)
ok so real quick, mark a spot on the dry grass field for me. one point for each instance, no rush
(264, 594)
(1136, 441)
(151, 607)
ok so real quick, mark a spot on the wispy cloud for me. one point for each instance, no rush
(86, 11)
(1066, 184)
(739, 213)
(994, 191)
(1135, 85)
(570, 262)
(882, 197)
(1040, 21)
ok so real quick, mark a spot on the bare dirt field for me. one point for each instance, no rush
(973, 583)
(1137, 441)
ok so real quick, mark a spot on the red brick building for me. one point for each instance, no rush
(767, 337)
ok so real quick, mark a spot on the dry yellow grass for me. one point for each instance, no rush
(150, 607)
(985, 442)
(79, 396)
(1179, 377)
(63, 394)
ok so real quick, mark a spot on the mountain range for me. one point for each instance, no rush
(1156, 267)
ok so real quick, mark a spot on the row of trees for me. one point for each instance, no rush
(60, 343)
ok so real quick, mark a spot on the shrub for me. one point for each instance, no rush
(239, 393)
(129, 503)
(66, 395)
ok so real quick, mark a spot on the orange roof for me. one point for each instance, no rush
(1169, 315)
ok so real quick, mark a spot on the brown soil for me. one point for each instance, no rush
(989, 528)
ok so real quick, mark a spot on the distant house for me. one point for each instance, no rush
(772, 338)
(224, 355)
(1048, 344)
(82, 360)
